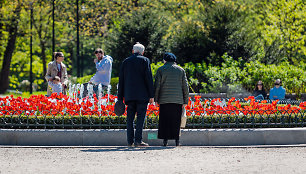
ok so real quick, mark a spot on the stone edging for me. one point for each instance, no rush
(117, 137)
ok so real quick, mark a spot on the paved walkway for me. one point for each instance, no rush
(157, 160)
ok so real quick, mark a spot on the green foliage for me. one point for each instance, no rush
(194, 121)
(144, 26)
(282, 27)
(113, 83)
(196, 31)
(25, 94)
(189, 42)
(233, 76)
(225, 78)
(155, 66)
(293, 77)
(84, 79)
(215, 30)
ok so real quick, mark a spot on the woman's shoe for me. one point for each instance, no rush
(141, 144)
(165, 142)
(177, 142)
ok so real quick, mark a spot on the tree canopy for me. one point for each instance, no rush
(197, 31)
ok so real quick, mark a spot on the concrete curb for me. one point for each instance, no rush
(117, 137)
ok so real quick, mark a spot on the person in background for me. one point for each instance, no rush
(171, 93)
(57, 68)
(259, 92)
(278, 92)
(136, 90)
(104, 70)
(56, 85)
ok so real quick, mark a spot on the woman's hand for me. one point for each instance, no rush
(184, 105)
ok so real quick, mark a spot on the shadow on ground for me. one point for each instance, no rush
(114, 149)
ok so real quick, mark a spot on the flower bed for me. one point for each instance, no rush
(60, 111)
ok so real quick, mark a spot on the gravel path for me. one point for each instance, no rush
(157, 160)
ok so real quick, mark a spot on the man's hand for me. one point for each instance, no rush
(123, 101)
(151, 101)
(95, 60)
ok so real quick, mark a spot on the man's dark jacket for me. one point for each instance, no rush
(135, 79)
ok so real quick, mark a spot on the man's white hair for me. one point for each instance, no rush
(138, 48)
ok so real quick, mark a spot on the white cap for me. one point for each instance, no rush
(138, 48)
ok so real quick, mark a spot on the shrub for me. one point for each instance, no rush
(233, 76)
(113, 83)
(84, 79)
(144, 26)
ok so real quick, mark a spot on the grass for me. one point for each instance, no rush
(25, 94)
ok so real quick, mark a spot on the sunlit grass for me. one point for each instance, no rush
(24, 94)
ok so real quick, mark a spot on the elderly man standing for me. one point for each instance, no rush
(136, 89)
(104, 70)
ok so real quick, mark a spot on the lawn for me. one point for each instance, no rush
(24, 94)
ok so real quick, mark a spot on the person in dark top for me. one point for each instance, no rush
(136, 90)
(259, 92)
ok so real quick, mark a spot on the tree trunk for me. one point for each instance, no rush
(1, 24)
(7, 58)
(43, 56)
(70, 50)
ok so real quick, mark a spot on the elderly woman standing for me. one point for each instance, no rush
(171, 93)
(57, 68)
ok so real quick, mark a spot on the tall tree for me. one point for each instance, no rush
(1, 25)
(7, 58)
(41, 24)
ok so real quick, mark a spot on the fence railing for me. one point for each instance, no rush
(286, 101)
(196, 119)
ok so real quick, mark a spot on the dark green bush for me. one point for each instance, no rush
(119, 122)
(144, 26)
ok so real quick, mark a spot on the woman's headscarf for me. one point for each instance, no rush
(169, 57)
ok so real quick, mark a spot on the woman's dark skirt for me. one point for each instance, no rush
(169, 121)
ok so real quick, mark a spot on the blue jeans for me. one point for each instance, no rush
(259, 97)
(95, 90)
(132, 109)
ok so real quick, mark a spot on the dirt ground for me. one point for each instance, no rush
(157, 160)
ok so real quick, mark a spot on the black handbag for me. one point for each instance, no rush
(119, 108)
